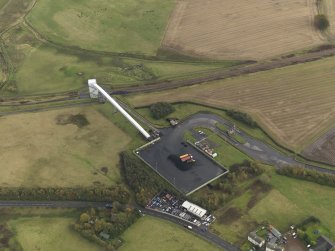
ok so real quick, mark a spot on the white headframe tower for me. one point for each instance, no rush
(95, 90)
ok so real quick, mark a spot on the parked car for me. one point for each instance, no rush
(108, 205)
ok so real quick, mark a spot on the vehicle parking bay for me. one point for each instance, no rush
(203, 171)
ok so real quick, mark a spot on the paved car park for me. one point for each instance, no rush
(199, 173)
(167, 203)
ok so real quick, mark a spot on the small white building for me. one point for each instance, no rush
(256, 240)
(194, 209)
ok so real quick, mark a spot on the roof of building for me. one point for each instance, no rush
(275, 232)
(255, 237)
(194, 209)
(274, 247)
(104, 235)
(323, 244)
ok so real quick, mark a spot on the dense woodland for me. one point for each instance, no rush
(104, 226)
(161, 109)
(227, 187)
(141, 179)
(98, 193)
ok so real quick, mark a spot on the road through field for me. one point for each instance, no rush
(254, 148)
(294, 104)
(89, 204)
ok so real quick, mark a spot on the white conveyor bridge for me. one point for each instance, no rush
(95, 89)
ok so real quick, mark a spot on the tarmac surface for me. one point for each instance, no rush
(197, 175)
(204, 169)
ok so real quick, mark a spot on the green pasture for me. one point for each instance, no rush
(3, 2)
(227, 154)
(49, 234)
(60, 154)
(41, 68)
(129, 26)
(289, 202)
(150, 233)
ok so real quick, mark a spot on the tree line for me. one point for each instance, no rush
(242, 117)
(142, 179)
(97, 193)
(227, 187)
(307, 174)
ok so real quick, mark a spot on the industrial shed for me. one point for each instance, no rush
(194, 209)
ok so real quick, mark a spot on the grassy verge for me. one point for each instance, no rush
(235, 136)
(121, 122)
(3, 2)
(227, 154)
(150, 233)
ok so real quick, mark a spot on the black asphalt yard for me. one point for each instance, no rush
(187, 181)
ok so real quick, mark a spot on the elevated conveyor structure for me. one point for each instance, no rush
(95, 89)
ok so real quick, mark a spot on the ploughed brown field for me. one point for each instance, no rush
(295, 104)
(327, 7)
(242, 29)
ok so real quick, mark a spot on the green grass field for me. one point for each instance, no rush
(289, 202)
(70, 72)
(227, 154)
(150, 233)
(2, 3)
(49, 233)
(119, 26)
(46, 151)
(315, 230)
(64, 70)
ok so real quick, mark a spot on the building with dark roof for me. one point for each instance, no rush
(275, 232)
(323, 244)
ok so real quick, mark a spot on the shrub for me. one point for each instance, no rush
(309, 175)
(321, 22)
(242, 117)
(161, 109)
